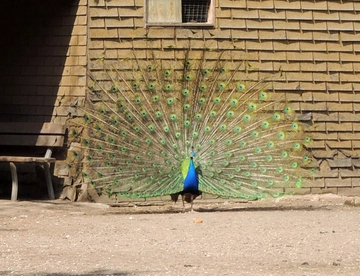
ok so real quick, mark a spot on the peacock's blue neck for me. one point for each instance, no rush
(191, 182)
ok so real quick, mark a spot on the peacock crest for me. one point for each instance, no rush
(154, 127)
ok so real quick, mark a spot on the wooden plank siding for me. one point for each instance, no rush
(308, 50)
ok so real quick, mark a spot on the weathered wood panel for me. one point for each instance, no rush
(163, 11)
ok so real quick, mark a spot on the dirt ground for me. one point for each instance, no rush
(300, 235)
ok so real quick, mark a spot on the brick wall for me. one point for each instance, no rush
(308, 50)
(43, 58)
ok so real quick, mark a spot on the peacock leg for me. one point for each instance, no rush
(192, 203)
(183, 201)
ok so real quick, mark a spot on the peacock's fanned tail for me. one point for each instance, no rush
(140, 124)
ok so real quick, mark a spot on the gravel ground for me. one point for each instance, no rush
(305, 235)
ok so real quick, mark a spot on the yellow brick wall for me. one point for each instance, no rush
(308, 49)
(43, 64)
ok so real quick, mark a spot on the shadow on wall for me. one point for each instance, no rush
(34, 46)
(35, 37)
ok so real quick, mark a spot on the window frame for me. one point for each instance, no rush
(210, 22)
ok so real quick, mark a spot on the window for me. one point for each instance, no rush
(180, 12)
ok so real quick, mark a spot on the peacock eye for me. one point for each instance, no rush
(145, 119)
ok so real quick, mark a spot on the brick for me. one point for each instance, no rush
(287, 67)
(304, 56)
(340, 87)
(339, 127)
(287, 5)
(77, 50)
(342, 67)
(255, 24)
(69, 61)
(349, 117)
(326, 117)
(336, 47)
(263, 56)
(342, 6)
(217, 34)
(324, 154)
(355, 191)
(19, 100)
(233, 4)
(324, 190)
(73, 80)
(346, 37)
(79, 30)
(356, 107)
(255, 45)
(314, 107)
(226, 13)
(139, 3)
(97, 23)
(325, 16)
(282, 25)
(285, 47)
(96, 44)
(329, 97)
(183, 33)
(340, 26)
(339, 144)
(301, 191)
(299, 76)
(122, 3)
(285, 85)
(139, 22)
(78, 70)
(312, 6)
(325, 77)
(319, 56)
(311, 183)
(311, 67)
(324, 36)
(356, 126)
(239, 13)
(101, 33)
(339, 106)
(102, 12)
(132, 33)
(232, 23)
(131, 12)
(348, 77)
(273, 35)
(349, 136)
(349, 57)
(346, 16)
(243, 34)
(324, 136)
(119, 23)
(346, 182)
(350, 173)
(81, 20)
(271, 15)
(79, 10)
(311, 46)
(317, 145)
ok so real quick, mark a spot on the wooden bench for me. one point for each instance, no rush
(19, 143)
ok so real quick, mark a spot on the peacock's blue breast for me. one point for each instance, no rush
(191, 182)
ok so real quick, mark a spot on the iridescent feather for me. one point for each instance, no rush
(147, 128)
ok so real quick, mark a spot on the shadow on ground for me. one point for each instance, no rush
(90, 273)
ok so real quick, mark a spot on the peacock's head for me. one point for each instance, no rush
(192, 153)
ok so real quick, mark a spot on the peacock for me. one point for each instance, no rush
(187, 124)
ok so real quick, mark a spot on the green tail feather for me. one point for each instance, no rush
(140, 124)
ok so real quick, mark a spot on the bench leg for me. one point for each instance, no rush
(14, 189)
(49, 185)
